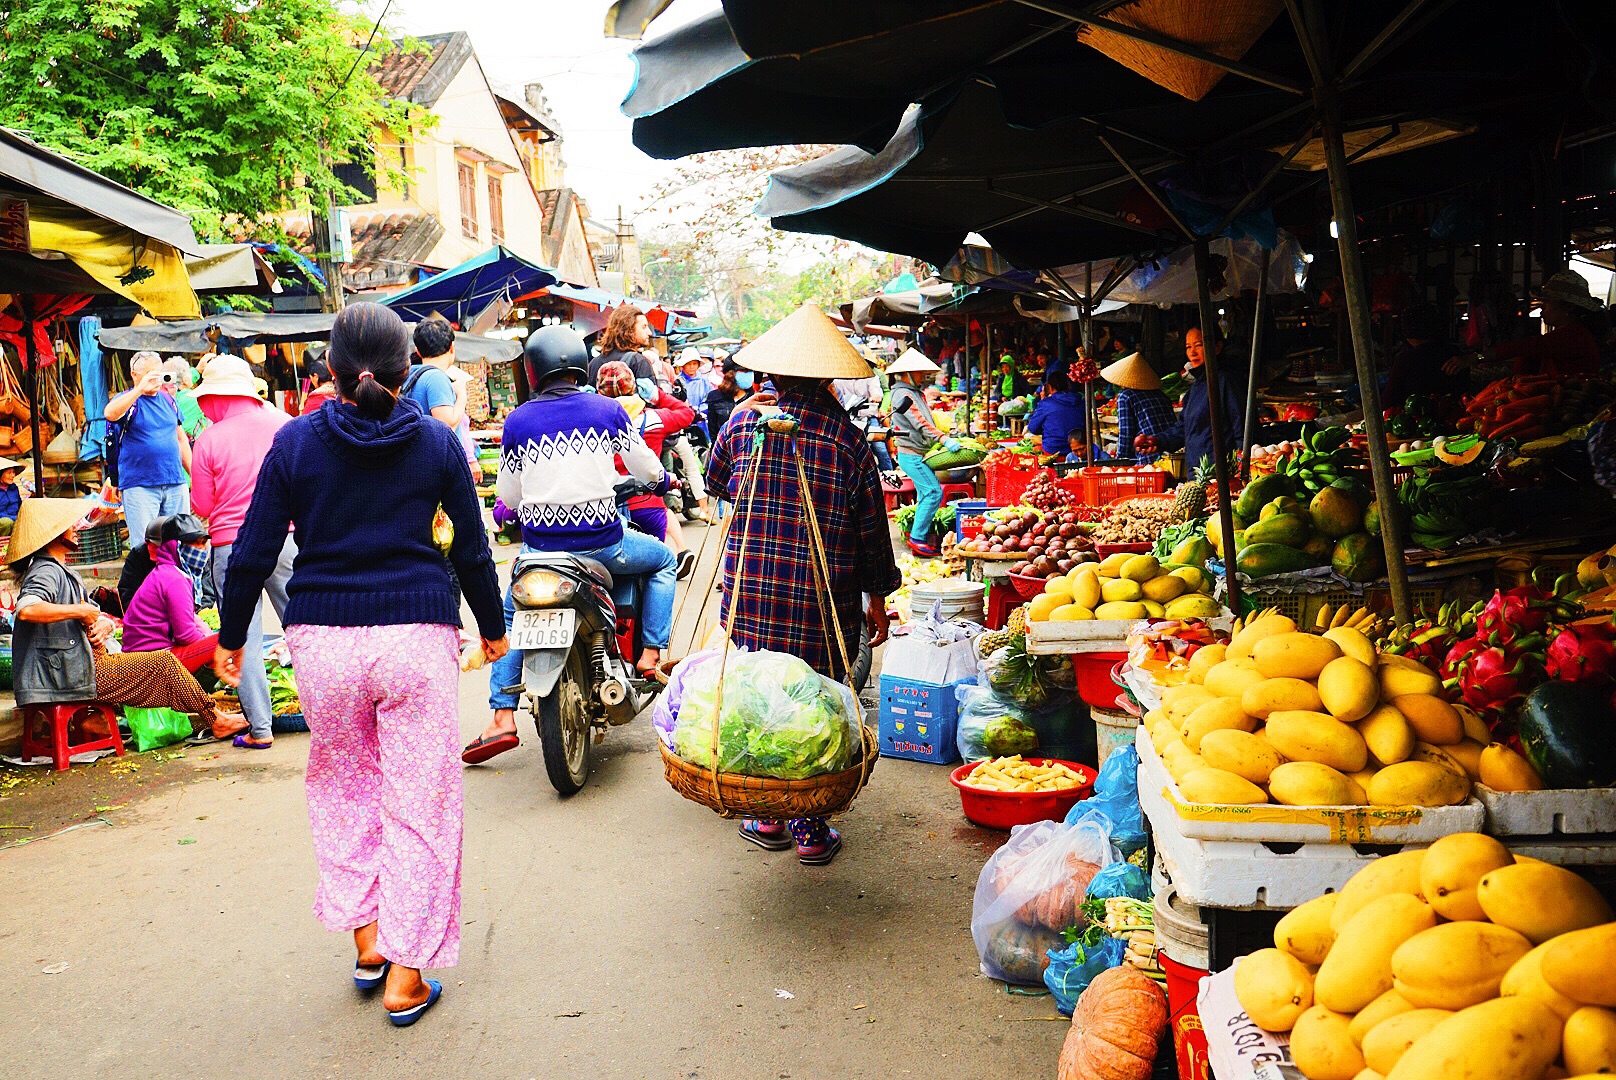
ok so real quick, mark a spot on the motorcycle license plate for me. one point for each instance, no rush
(546, 628)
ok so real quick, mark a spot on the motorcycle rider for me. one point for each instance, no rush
(557, 472)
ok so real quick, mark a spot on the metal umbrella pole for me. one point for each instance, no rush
(1250, 433)
(1089, 432)
(1214, 408)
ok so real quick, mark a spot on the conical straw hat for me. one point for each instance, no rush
(7, 463)
(806, 344)
(42, 520)
(1131, 373)
(912, 360)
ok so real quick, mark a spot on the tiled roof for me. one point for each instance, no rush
(387, 247)
(421, 77)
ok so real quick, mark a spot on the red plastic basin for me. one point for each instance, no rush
(1093, 673)
(1007, 809)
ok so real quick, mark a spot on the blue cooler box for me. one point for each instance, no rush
(918, 721)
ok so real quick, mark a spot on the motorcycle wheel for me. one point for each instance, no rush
(563, 723)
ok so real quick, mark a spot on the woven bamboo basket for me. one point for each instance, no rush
(769, 799)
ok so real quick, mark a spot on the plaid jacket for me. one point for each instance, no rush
(779, 606)
(1146, 412)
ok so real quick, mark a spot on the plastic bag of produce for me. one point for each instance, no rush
(779, 718)
(665, 713)
(1038, 879)
(1116, 797)
(991, 726)
(1120, 879)
(1072, 969)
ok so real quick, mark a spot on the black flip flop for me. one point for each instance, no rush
(687, 563)
(481, 749)
(762, 840)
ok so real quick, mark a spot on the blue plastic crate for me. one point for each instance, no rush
(968, 515)
(918, 721)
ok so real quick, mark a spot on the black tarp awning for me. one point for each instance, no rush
(236, 328)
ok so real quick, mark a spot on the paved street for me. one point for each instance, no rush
(622, 933)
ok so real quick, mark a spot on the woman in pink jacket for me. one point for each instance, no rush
(162, 613)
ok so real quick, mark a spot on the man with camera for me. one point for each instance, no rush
(153, 454)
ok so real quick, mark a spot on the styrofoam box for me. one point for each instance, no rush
(1345, 824)
(1250, 875)
(1565, 850)
(1557, 811)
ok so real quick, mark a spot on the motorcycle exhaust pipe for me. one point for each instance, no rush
(612, 692)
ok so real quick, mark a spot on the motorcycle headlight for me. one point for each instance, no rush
(542, 588)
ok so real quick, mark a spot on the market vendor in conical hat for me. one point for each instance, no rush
(917, 434)
(1146, 423)
(773, 600)
(58, 648)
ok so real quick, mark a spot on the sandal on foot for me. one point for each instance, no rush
(821, 854)
(245, 743)
(484, 747)
(369, 978)
(406, 1017)
(752, 833)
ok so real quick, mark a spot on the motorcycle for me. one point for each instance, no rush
(680, 497)
(579, 629)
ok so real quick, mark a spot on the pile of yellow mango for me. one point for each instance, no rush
(1458, 962)
(1322, 720)
(1124, 586)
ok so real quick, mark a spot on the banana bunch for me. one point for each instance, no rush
(1439, 511)
(1359, 618)
(1323, 459)
(1241, 622)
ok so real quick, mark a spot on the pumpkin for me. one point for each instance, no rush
(1020, 952)
(1116, 1028)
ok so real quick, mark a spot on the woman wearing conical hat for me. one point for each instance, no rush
(1146, 423)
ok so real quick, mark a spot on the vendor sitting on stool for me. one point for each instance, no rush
(911, 417)
(162, 612)
(1146, 423)
(59, 647)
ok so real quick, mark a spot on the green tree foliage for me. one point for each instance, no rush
(229, 110)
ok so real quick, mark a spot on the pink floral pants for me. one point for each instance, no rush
(383, 782)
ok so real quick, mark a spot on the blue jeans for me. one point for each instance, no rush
(635, 554)
(928, 495)
(254, 688)
(143, 505)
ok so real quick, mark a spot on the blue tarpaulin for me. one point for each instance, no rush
(462, 294)
(93, 381)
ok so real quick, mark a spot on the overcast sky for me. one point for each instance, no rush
(585, 76)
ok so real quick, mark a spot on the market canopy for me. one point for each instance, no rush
(230, 268)
(469, 347)
(476, 294)
(105, 238)
(236, 328)
(601, 303)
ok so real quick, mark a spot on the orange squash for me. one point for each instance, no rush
(1116, 1027)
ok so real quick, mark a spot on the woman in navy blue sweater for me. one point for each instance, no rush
(372, 621)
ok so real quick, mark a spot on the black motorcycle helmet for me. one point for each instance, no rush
(553, 351)
(186, 528)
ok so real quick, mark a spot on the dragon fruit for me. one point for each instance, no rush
(1514, 613)
(1583, 653)
(1495, 677)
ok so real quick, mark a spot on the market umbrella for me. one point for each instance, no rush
(479, 290)
(235, 328)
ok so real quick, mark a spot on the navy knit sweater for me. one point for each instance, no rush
(362, 494)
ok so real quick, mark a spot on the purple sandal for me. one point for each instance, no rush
(776, 839)
(242, 742)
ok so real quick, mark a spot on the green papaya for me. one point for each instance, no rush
(1284, 529)
(1192, 552)
(1260, 560)
(1371, 519)
(1262, 491)
(1321, 547)
(1283, 505)
(1359, 557)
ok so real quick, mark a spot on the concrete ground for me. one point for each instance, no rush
(623, 932)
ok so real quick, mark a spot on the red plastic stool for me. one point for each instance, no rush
(1002, 600)
(59, 718)
(951, 492)
(901, 495)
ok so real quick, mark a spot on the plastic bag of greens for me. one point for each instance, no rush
(665, 712)
(1120, 879)
(1072, 969)
(779, 718)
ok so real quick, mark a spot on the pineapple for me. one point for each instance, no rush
(1191, 498)
(1016, 624)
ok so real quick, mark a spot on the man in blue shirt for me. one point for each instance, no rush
(1058, 415)
(154, 455)
(428, 383)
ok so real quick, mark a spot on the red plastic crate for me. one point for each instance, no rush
(1008, 478)
(1101, 487)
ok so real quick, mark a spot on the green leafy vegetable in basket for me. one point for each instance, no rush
(283, 699)
(778, 718)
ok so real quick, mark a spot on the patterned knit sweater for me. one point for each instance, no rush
(557, 469)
